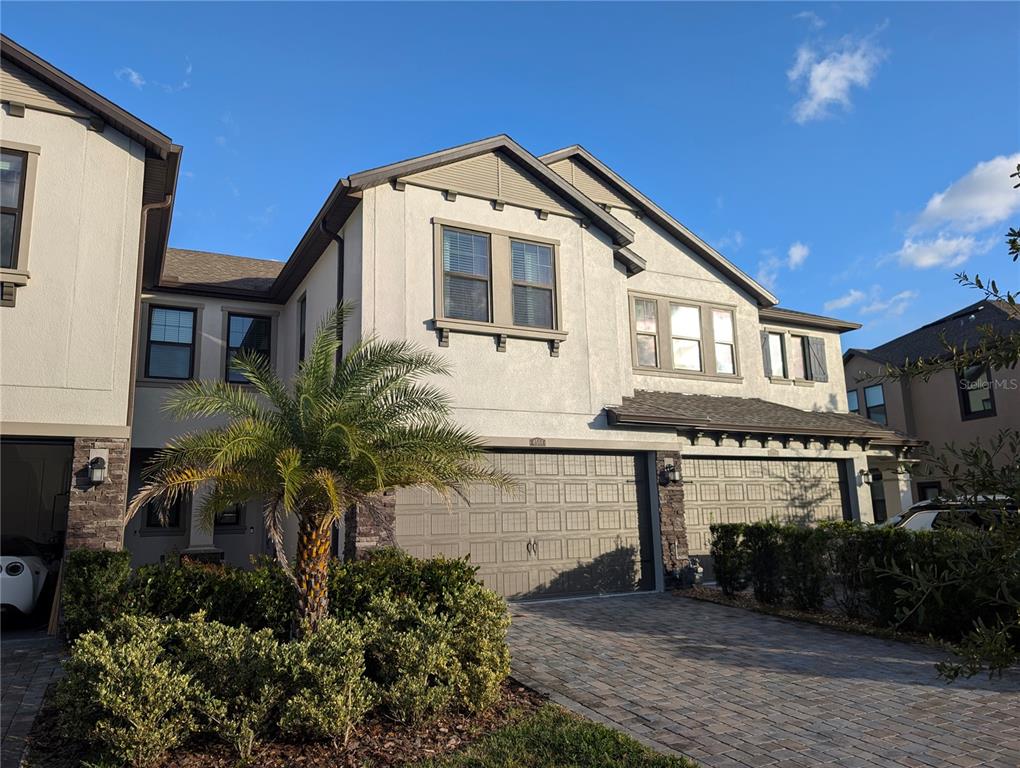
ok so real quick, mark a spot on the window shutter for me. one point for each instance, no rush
(816, 354)
(765, 356)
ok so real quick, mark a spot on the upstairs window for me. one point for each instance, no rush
(874, 403)
(793, 357)
(685, 330)
(249, 333)
(467, 275)
(852, 405)
(976, 398)
(725, 350)
(534, 292)
(13, 172)
(775, 361)
(646, 328)
(302, 319)
(798, 366)
(170, 352)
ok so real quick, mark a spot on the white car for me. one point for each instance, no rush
(935, 514)
(22, 575)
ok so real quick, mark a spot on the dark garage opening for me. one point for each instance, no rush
(35, 478)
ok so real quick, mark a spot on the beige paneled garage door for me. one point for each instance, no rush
(576, 524)
(751, 490)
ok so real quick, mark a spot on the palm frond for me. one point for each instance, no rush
(211, 398)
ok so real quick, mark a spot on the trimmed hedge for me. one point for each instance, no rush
(869, 572)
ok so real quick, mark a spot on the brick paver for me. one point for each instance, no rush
(731, 688)
(29, 664)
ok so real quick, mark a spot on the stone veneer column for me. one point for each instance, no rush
(370, 527)
(95, 513)
(672, 523)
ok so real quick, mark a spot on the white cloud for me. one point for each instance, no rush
(797, 254)
(826, 80)
(733, 241)
(221, 141)
(942, 251)
(981, 198)
(853, 296)
(812, 18)
(130, 75)
(894, 306)
(768, 269)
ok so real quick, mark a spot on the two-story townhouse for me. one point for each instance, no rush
(87, 191)
(950, 407)
(637, 383)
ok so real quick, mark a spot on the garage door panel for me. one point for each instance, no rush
(755, 490)
(575, 523)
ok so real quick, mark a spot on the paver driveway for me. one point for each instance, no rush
(729, 687)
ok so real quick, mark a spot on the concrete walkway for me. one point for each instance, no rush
(728, 687)
(29, 662)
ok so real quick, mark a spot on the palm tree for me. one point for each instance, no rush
(347, 430)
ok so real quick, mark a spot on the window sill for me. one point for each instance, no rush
(780, 380)
(161, 383)
(803, 383)
(500, 332)
(161, 533)
(974, 416)
(734, 378)
(14, 276)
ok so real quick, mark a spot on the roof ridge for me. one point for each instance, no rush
(223, 255)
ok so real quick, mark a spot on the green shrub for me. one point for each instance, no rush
(729, 558)
(126, 693)
(238, 679)
(93, 588)
(412, 658)
(766, 561)
(804, 573)
(331, 693)
(261, 597)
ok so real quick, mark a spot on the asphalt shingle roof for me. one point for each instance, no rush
(960, 328)
(218, 270)
(744, 414)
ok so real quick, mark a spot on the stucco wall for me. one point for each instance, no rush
(861, 372)
(65, 348)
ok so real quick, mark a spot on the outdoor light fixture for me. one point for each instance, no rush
(97, 470)
(869, 476)
(670, 474)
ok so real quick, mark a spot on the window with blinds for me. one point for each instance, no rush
(534, 292)
(245, 333)
(467, 274)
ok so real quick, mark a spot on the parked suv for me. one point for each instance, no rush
(934, 514)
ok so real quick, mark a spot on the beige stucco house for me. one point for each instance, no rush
(639, 385)
(87, 191)
(951, 407)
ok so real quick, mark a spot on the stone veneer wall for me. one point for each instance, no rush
(672, 524)
(370, 527)
(95, 513)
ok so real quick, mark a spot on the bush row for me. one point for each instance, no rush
(868, 572)
(411, 639)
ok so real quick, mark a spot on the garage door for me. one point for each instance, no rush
(575, 524)
(752, 490)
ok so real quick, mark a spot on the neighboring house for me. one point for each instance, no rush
(951, 407)
(87, 191)
(639, 384)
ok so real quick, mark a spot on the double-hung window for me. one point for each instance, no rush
(976, 398)
(13, 172)
(169, 519)
(534, 289)
(725, 349)
(302, 320)
(685, 331)
(874, 403)
(646, 330)
(798, 358)
(467, 275)
(249, 333)
(852, 404)
(776, 355)
(170, 351)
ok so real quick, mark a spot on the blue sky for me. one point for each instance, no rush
(852, 156)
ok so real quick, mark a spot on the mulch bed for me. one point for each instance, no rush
(378, 742)
(822, 618)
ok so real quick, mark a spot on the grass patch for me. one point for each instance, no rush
(551, 737)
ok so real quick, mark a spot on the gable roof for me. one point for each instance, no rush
(958, 329)
(664, 220)
(344, 198)
(750, 415)
(207, 272)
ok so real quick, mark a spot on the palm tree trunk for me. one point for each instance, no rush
(312, 572)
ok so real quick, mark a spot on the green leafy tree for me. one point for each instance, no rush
(348, 429)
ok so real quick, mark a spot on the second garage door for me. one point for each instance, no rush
(577, 523)
(753, 490)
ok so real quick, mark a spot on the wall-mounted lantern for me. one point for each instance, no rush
(869, 476)
(98, 464)
(670, 474)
